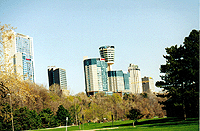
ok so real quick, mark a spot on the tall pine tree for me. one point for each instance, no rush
(181, 77)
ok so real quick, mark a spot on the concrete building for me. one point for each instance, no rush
(19, 54)
(135, 81)
(148, 84)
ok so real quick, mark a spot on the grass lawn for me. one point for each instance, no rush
(156, 124)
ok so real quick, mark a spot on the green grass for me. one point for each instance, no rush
(156, 124)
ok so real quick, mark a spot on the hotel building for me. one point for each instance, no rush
(135, 79)
(99, 76)
(57, 76)
(19, 55)
(108, 53)
(118, 81)
(95, 70)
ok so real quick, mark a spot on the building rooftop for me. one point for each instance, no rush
(107, 46)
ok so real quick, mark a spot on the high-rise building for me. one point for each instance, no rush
(148, 84)
(135, 82)
(95, 71)
(116, 81)
(108, 53)
(19, 54)
(99, 77)
(57, 76)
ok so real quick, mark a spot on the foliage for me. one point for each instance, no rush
(11, 82)
(181, 76)
(134, 114)
(61, 115)
(5, 117)
(55, 88)
(48, 118)
(25, 119)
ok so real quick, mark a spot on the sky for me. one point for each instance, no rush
(64, 31)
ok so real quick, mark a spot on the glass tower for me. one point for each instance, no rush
(20, 55)
(95, 71)
(57, 76)
(24, 49)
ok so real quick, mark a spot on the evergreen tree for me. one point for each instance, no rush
(181, 77)
(24, 119)
(48, 119)
(62, 113)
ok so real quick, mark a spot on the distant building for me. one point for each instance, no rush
(57, 76)
(148, 84)
(19, 54)
(135, 82)
(95, 71)
(107, 53)
(99, 76)
(98, 79)
(116, 81)
(126, 82)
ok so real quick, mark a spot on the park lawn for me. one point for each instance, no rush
(156, 124)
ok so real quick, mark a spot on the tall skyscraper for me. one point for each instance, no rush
(95, 71)
(135, 79)
(108, 53)
(20, 54)
(148, 84)
(57, 76)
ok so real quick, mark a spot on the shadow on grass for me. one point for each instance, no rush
(160, 122)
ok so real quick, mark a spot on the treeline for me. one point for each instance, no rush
(41, 108)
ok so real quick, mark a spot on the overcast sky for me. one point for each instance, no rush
(64, 31)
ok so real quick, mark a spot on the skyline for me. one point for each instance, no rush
(65, 31)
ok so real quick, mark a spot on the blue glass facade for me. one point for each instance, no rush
(103, 70)
(91, 65)
(27, 67)
(99, 79)
(126, 81)
(24, 46)
(115, 73)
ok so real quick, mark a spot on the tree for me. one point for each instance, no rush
(134, 114)
(62, 113)
(181, 77)
(47, 117)
(25, 119)
(5, 117)
(56, 89)
(11, 81)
